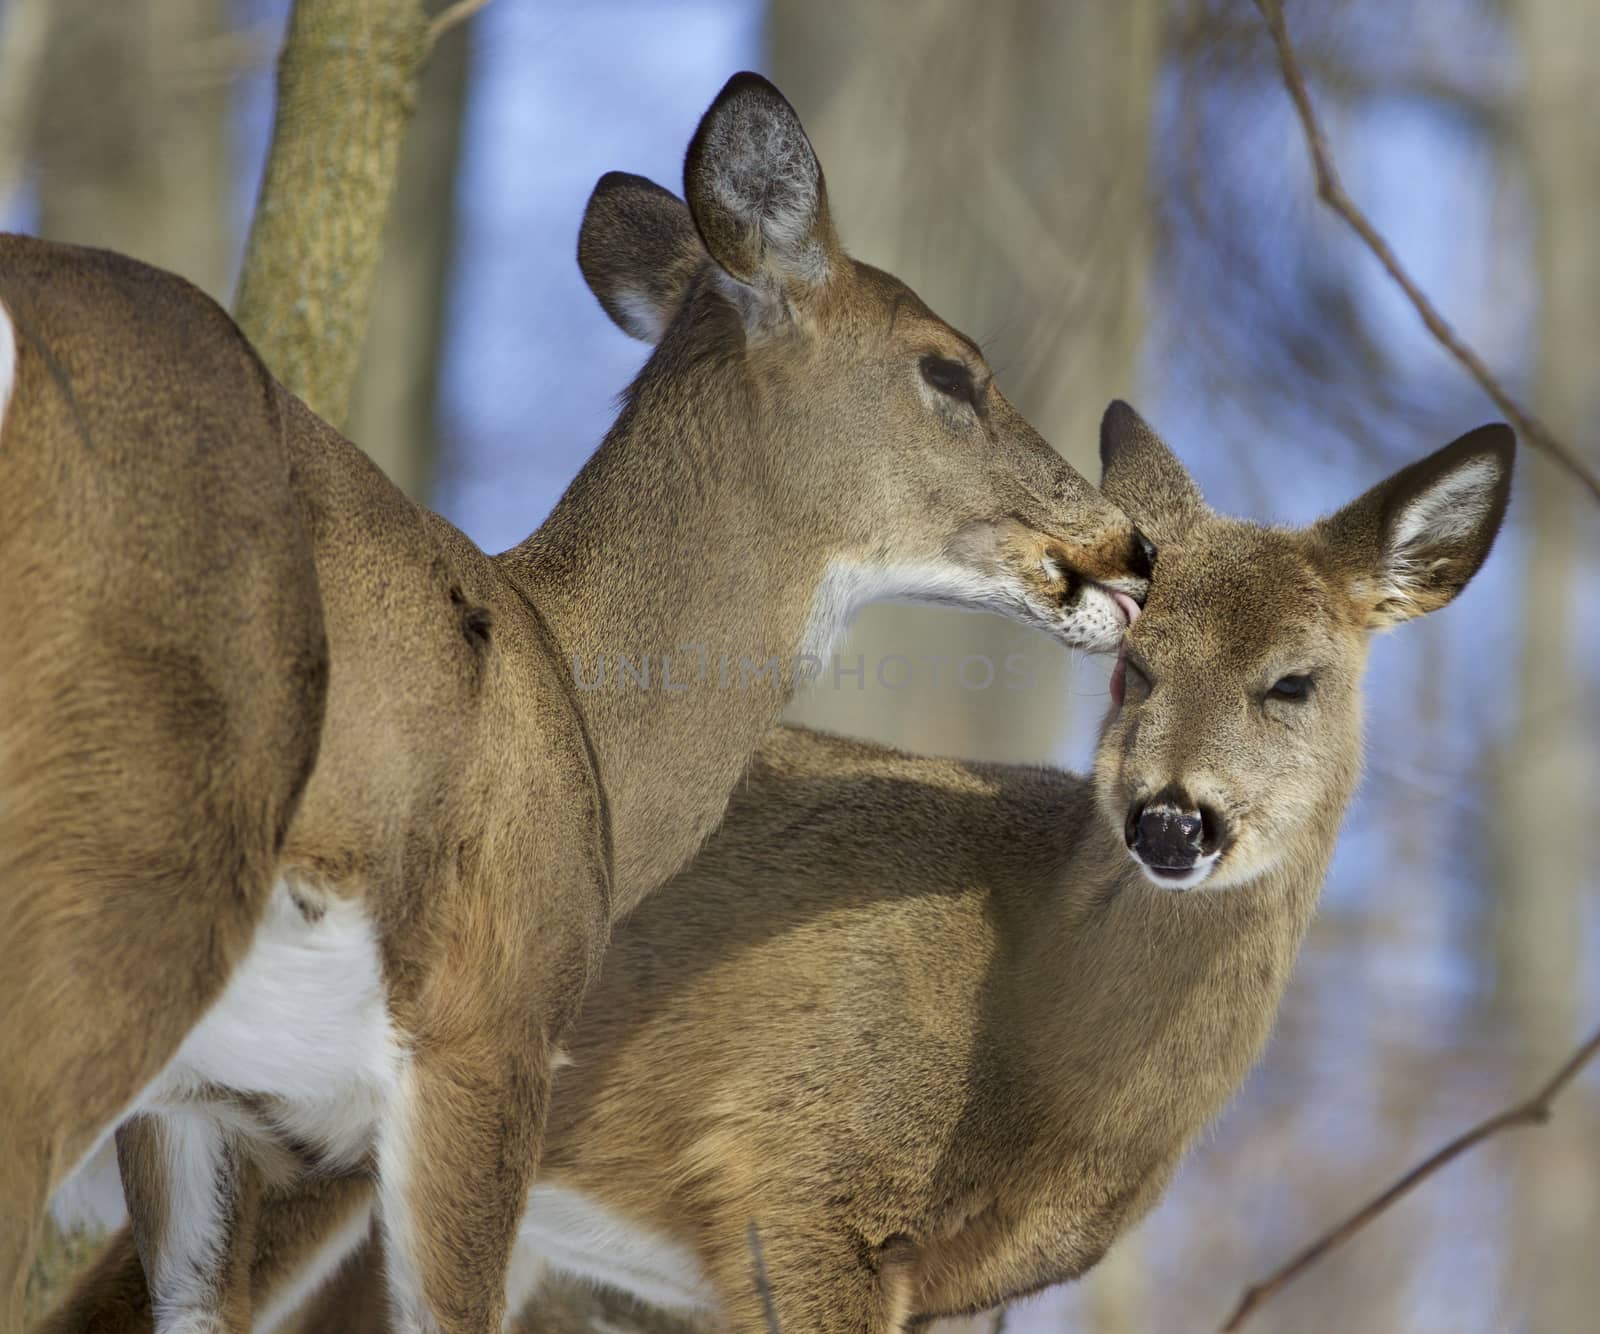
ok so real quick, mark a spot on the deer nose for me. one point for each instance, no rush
(1171, 832)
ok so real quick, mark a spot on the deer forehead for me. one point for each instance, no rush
(1237, 595)
(880, 307)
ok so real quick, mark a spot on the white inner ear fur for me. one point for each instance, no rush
(1448, 511)
(762, 310)
(639, 316)
(764, 173)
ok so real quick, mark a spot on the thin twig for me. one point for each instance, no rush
(455, 15)
(1535, 1111)
(762, 1286)
(1332, 193)
(1002, 1318)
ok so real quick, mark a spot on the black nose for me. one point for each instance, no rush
(1171, 832)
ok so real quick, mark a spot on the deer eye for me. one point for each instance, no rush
(950, 378)
(1294, 686)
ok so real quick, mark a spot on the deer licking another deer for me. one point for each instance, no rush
(309, 846)
(940, 1031)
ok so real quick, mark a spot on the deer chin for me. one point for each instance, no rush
(1037, 580)
(1088, 617)
(1178, 879)
(1079, 612)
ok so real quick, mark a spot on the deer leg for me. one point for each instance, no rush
(355, 1300)
(307, 1236)
(90, 1020)
(459, 1139)
(456, 1153)
(28, 1166)
(303, 1234)
(138, 844)
(192, 1188)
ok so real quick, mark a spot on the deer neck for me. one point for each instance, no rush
(1140, 1010)
(680, 574)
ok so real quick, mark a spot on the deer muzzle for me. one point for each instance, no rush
(1174, 838)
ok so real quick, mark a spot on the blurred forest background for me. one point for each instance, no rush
(1114, 196)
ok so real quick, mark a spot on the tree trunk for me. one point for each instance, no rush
(394, 414)
(24, 30)
(131, 133)
(998, 166)
(1550, 777)
(347, 83)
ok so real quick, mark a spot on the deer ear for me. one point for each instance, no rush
(639, 251)
(1140, 475)
(756, 191)
(1411, 543)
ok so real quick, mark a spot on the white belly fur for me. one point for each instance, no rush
(561, 1232)
(303, 1021)
(572, 1234)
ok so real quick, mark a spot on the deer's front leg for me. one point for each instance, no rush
(305, 1232)
(192, 1189)
(456, 1155)
(510, 952)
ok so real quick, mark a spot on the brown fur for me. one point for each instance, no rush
(180, 534)
(151, 541)
(924, 1022)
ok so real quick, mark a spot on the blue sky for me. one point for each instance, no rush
(561, 94)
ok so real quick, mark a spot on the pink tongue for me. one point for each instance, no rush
(1119, 673)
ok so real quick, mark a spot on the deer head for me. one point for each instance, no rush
(862, 414)
(1238, 726)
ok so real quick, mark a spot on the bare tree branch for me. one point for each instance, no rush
(1535, 1111)
(456, 14)
(1332, 193)
(347, 82)
(758, 1259)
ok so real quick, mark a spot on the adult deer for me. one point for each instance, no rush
(304, 847)
(941, 1031)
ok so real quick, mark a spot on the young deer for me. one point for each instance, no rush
(941, 1031)
(267, 968)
